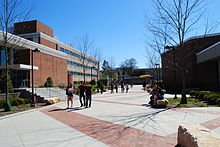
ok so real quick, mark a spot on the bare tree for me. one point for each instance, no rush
(130, 63)
(10, 12)
(174, 21)
(87, 51)
(112, 68)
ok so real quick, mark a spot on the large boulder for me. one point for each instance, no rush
(197, 136)
(53, 100)
(162, 103)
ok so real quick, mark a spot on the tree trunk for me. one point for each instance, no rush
(8, 105)
(183, 99)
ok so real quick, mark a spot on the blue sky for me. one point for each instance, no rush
(116, 26)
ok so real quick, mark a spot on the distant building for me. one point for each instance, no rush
(199, 57)
(128, 75)
(55, 59)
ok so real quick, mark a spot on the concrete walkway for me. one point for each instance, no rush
(119, 119)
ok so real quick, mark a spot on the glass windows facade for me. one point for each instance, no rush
(80, 65)
(79, 74)
(76, 55)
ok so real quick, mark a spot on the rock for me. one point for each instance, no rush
(162, 103)
(197, 136)
(52, 100)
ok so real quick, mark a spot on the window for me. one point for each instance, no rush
(2, 57)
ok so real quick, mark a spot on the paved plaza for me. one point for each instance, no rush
(118, 120)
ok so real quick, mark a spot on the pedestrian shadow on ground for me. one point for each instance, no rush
(75, 109)
(58, 109)
(146, 105)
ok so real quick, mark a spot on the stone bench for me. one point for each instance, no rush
(52, 100)
(197, 136)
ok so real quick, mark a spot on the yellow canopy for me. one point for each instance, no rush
(145, 76)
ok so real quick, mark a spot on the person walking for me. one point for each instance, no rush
(69, 93)
(116, 88)
(102, 88)
(88, 90)
(144, 85)
(81, 88)
(127, 88)
(112, 88)
(122, 87)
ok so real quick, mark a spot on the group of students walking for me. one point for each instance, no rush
(123, 87)
(85, 94)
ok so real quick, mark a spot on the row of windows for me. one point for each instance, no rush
(80, 65)
(79, 74)
(76, 55)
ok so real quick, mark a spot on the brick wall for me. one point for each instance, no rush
(32, 27)
(186, 59)
(47, 43)
(49, 66)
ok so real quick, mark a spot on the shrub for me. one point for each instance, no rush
(211, 98)
(49, 82)
(3, 85)
(16, 101)
(2, 103)
(201, 94)
(93, 82)
(192, 93)
(27, 101)
(218, 101)
(62, 86)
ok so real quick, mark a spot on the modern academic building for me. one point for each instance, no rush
(199, 60)
(56, 59)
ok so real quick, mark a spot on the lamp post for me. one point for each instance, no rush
(91, 73)
(33, 103)
(174, 67)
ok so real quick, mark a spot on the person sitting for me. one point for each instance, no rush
(153, 98)
(160, 93)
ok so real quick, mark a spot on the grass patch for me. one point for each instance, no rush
(191, 102)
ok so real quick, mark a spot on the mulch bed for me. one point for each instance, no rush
(21, 108)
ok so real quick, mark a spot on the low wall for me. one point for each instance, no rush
(10, 95)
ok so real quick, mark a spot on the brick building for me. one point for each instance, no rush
(190, 60)
(55, 59)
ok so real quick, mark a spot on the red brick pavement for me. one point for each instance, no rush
(111, 134)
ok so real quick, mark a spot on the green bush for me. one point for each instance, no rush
(62, 86)
(27, 101)
(201, 94)
(3, 85)
(212, 98)
(2, 103)
(93, 82)
(17, 101)
(192, 93)
(49, 82)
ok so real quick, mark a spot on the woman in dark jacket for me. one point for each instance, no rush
(69, 93)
